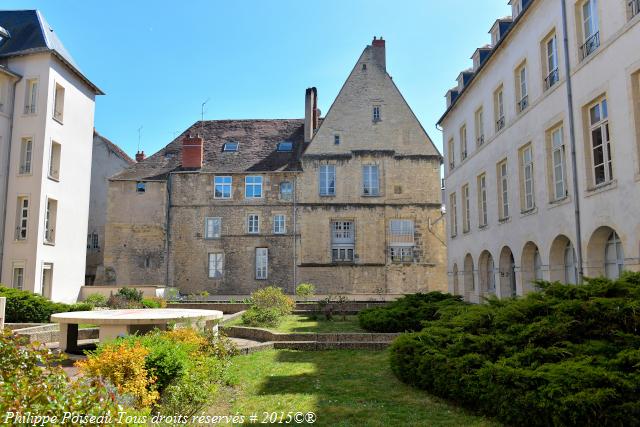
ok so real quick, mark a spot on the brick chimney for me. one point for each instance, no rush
(140, 156)
(192, 152)
(379, 55)
(311, 113)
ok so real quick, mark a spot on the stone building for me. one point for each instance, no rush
(46, 125)
(542, 142)
(107, 159)
(350, 203)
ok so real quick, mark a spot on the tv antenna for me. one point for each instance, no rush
(139, 136)
(202, 112)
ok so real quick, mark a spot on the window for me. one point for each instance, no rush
(634, 8)
(498, 102)
(327, 180)
(262, 263)
(463, 142)
(22, 218)
(600, 143)
(516, 8)
(286, 190)
(613, 257)
(590, 31)
(230, 146)
(370, 181)
(253, 224)
(93, 241)
(570, 267)
(279, 226)
(401, 240)
(31, 96)
(50, 221)
(222, 187)
(58, 103)
(26, 155)
(376, 113)
(336, 139)
(453, 214)
(54, 161)
(551, 56)
(466, 221)
(216, 265)
(452, 154)
(537, 265)
(558, 164)
(141, 187)
(527, 180)
(18, 277)
(482, 200)
(503, 190)
(342, 241)
(212, 228)
(253, 187)
(285, 146)
(490, 278)
(479, 127)
(521, 88)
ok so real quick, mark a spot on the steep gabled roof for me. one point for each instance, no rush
(257, 151)
(114, 148)
(30, 33)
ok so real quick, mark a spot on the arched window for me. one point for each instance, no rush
(570, 267)
(613, 257)
(537, 265)
(491, 277)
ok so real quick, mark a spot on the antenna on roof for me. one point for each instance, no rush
(202, 112)
(139, 134)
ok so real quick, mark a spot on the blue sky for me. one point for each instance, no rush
(158, 60)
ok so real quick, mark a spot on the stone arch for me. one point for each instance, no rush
(530, 266)
(507, 264)
(563, 265)
(486, 270)
(456, 282)
(469, 279)
(605, 254)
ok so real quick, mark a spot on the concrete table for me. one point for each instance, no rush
(115, 323)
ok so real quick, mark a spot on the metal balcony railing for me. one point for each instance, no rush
(551, 79)
(634, 8)
(523, 103)
(590, 45)
(500, 124)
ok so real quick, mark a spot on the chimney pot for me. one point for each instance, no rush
(140, 156)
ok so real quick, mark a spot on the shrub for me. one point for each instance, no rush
(131, 294)
(122, 363)
(407, 313)
(305, 290)
(567, 355)
(27, 307)
(31, 381)
(119, 302)
(150, 303)
(261, 317)
(96, 300)
(272, 298)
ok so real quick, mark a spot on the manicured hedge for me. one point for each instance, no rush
(406, 313)
(27, 307)
(568, 355)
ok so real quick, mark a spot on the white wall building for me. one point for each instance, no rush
(46, 129)
(107, 160)
(519, 206)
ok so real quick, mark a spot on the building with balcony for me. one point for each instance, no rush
(542, 161)
(46, 129)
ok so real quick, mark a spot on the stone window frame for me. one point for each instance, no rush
(483, 205)
(401, 240)
(250, 224)
(18, 265)
(556, 153)
(25, 167)
(283, 194)
(213, 220)
(503, 189)
(22, 217)
(223, 185)
(262, 270)
(466, 208)
(464, 145)
(324, 189)
(343, 240)
(257, 183)
(279, 224)
(527, 178)
(603, 124)
(216, 265)
(369, 178)
(453, 215)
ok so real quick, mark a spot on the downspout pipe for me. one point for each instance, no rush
(168, 229)
(5, 194)
(295, 232)
(572, 141)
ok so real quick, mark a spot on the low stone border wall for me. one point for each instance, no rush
(227, 308)
(352, 307)
(265, 335)
(49, 332)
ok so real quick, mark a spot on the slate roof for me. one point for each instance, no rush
(114, 148)
(257, 152)
(31, 33)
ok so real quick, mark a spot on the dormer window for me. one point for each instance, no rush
(141, 187)
(495, 35)
(230, 146)
(285, 146)
(516, 8)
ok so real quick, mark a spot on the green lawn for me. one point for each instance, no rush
(304, 323)
(342, 387)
